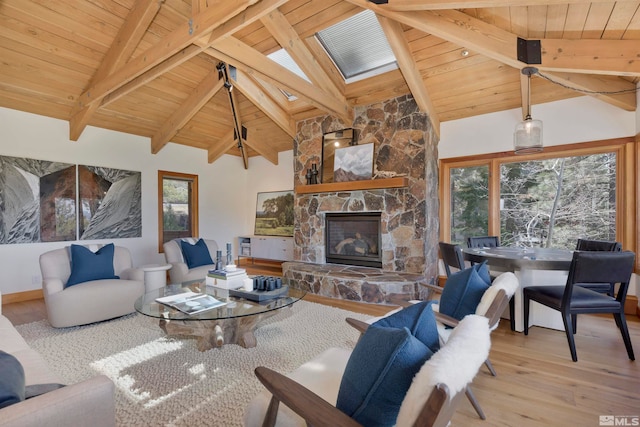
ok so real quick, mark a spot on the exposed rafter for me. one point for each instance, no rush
(130, 34)
(395, 36)
(498, 44)
(198, 98)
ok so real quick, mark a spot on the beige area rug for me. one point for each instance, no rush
(167, 381)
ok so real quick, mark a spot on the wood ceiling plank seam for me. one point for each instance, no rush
(11, 87)
(44, 41)
(619, 20)
(576, 18)
(78, 9)
(31, 69)
(178, 40)
(556, 20)
(596, 22)
(402, 51)
(519, 21)
(633, 29)
(537, 21)
(445, 65)
(46, 21)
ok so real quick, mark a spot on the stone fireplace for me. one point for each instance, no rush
(405, 145)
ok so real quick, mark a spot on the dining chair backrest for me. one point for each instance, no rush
(598, 245)
(451, 256)
(483, 242)
(600, 267)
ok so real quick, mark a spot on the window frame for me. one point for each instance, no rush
(627, 201)
(193, 201)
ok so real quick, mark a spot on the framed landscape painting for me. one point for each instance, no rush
(274, 214)
(353, 163)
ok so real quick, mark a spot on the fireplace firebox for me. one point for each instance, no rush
(353, 239)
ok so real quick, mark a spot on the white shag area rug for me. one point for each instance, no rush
(163, 381)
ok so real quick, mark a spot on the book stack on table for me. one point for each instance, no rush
(227, 279)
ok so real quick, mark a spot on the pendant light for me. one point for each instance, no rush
(527, 137)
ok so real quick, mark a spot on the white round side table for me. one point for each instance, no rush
(155, 276)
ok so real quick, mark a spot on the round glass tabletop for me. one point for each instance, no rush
(232, 307)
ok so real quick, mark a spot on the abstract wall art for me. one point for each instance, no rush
(110, 203)
(37, 200)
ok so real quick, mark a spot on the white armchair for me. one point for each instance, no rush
(309, 393)
(180, 271)
(93, 300)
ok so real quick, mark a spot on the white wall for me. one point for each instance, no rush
(227, 192)
(570, 121)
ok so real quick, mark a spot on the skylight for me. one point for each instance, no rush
(358, 47)
(283, 58)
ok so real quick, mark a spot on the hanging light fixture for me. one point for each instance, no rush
(527, 137)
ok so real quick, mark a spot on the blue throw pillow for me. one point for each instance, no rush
(11, 380)
(379, 373)
(420, 321)
(463, 291)
(87, 265)
(197, 254)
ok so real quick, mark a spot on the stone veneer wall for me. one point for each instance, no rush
(405, 145)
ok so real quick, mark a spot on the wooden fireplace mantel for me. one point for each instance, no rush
(369, 184)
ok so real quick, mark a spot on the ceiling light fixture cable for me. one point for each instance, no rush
(237, 129)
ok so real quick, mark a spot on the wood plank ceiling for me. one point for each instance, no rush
(148, 67)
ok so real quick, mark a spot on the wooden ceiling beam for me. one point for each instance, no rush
(254, 93)
(395, 36)
(408, 5)
(276, 23)
(219, 148)
(196, 100)
(123, 46)
(251, 61)
(261, 147)
(611, 57)
(493, 42)
(186, 34)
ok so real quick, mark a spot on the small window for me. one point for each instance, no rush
(177, 206)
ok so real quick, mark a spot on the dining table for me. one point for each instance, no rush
(532, 267)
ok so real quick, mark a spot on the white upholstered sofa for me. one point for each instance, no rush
(88, 403)
(91, 301)
(180, 271)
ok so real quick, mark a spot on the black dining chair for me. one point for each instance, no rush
(599, 245)
(451, 256)
(483, 242)
(573, 299)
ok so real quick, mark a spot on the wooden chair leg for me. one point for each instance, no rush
(568, 329)
(474, 403)
(490, 367)
(625, 334)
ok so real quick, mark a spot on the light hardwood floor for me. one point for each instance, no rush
(537, 383)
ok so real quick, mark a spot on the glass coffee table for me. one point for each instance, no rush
(232, 323)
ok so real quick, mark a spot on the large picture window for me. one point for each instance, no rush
(546, 200)
(177, 206)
